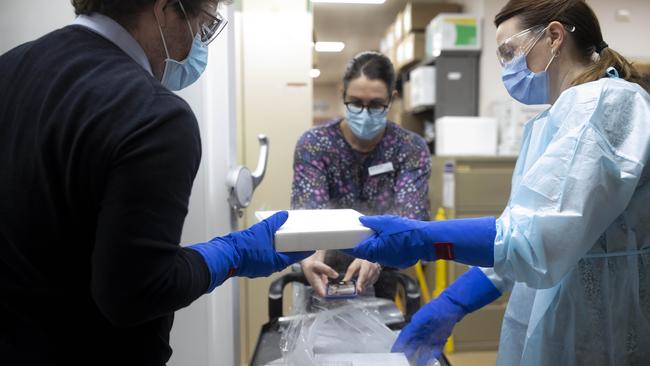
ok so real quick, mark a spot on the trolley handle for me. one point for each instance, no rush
(411, 289)
(276, 289)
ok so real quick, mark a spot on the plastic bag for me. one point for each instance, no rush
(342, 326)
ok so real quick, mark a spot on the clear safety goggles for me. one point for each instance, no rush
(519, 44)
(211, 21)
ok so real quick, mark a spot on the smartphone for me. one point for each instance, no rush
(341, 290)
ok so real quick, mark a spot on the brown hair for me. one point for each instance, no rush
(587, 34)
(374, 66)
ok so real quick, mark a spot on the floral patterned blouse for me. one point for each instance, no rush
(328, 173)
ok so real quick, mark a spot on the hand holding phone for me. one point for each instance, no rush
(341, 290)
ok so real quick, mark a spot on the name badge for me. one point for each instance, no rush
(380, 169)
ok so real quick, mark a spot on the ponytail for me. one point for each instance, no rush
(605, 59)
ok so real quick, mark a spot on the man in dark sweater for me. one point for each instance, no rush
(97, 160)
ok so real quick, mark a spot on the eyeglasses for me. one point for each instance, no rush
(211, 22)
(519, 44)
(522, 42)
(374, 108)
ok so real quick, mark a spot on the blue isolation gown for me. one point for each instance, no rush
(573, 244)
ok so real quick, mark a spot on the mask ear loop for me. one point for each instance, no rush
(162, 35)
(555, 54)
(187, 20)
(570, 29)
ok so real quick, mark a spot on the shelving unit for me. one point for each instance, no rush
(456, 89)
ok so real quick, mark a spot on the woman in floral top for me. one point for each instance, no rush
(361, 162)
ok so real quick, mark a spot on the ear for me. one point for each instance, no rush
(159, 11)
(558, 35)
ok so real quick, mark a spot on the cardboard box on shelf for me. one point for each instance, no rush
(396, 110)
(413, 123)
(416, 16)
(389, 37)
(453, 32)
(392, 55)
(406, 95)
(410, 49)
(398, 27)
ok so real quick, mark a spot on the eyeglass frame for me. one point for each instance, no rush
(528, 46)
(385, 108)
(207, 34)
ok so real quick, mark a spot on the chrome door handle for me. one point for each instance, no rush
(242, 183)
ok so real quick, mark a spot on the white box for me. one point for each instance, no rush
(451, 32)
(318, 230)
(423, 86)
(511, 117)
(466, 136)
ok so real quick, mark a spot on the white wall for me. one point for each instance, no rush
(328, 101)
(26, 20)
(628, 37)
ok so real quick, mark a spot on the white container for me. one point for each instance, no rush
(423, 87)
(511, 117)
(466, 136)
(318, 230)
(453, 32)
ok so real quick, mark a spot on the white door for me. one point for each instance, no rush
(207, 332)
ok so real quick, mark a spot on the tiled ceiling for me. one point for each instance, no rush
(360, 26)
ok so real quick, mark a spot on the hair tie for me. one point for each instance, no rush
(601, 46)
(612, 72)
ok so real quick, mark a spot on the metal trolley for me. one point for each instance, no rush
(268, 346)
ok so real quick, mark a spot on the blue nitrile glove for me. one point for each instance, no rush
(400, 242)
(424, 338)
(247, 253)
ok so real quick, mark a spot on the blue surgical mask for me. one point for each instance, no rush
(181, 74)
(366, 126)
(524, 85)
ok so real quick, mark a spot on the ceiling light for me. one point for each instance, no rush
(329, 46)
(314, 73)
(350, 1)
